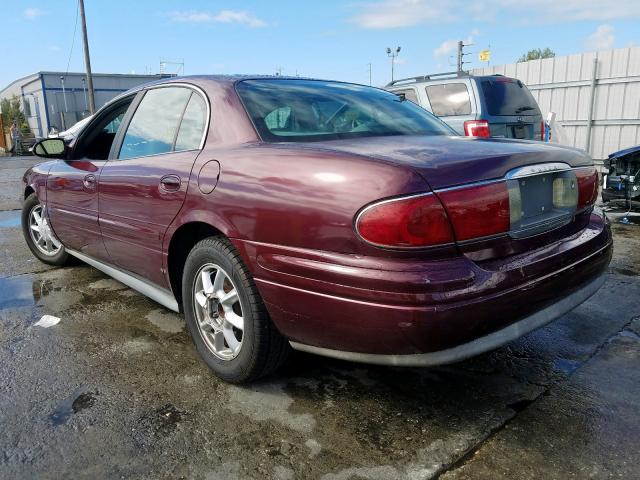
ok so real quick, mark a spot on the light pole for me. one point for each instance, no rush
(393, 54)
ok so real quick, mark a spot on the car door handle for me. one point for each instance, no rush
(89, 182)
(170, 183)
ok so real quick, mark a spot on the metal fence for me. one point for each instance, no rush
(596, 96)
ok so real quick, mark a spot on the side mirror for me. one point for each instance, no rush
(50, 148)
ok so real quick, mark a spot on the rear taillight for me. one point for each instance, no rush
(416, 221)
(543, 131)
(587, 186)
(477, 128)
(518, 205)
(478, 211)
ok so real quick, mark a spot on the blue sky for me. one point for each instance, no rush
(328, 39)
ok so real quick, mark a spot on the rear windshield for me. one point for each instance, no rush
(507, 96)
(289, 110)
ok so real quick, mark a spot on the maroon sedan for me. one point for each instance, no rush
(333, 218)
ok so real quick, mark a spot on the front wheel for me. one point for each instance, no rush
(38, 234)
(225, 315)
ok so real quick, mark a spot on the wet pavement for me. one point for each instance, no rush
(115, 390)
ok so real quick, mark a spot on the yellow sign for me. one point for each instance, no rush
(485, 55)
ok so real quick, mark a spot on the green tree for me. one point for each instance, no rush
(12, 112)
(536, 54)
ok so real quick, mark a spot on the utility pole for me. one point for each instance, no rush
(87, 60)
(369, 73)
(461, 55)
(393, 54)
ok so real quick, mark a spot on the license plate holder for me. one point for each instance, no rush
(519, 132)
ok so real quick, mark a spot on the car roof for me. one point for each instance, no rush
(204, 80)
(442, 77)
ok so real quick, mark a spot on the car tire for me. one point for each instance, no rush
(57, 254)
(213, 320)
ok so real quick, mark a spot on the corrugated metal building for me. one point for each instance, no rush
(59, 99)
(564, 85)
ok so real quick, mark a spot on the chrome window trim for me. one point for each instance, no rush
(205, 131)
(204, 97)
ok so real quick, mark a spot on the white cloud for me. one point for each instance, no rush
(451, 46)
(602, 39)
(550, 11)
(53, 48)
(445, 48)
(32, 13)
(231, 16)
(401, 13)
(224, 16)
(387, 14)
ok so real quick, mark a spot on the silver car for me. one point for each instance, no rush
(479, 106)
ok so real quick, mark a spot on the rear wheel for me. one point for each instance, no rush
(38, 234)
(225, 315)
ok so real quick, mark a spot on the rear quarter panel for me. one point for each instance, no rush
(283, 195)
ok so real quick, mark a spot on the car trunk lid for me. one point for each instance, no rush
(450, 161)
(538, 183)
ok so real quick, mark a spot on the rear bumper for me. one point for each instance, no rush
(472, 348)
(384, 310)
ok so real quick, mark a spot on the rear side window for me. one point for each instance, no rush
(154, 124)
(449, 99)
(409, 94)
(507, 96)
(192, 125)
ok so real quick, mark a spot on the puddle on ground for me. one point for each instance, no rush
(565, 366)
(22, 291)
(74, 404)
(11, 222)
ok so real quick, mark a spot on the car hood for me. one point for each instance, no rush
(445, 161)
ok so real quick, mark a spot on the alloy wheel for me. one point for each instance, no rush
(218, 311)
(41, 234)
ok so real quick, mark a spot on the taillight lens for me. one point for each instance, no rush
(477, 128)
(587, 186)
(418, 221)
(478, 211)
(543, 130)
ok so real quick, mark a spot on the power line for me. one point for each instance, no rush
(73, 40)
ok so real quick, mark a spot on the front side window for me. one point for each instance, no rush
(153, 128)
(285, 110)
(95, 141)
(449, 99)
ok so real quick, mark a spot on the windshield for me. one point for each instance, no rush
(507, 96)
(313, 110)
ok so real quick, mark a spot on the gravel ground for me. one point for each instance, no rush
(116, 390)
